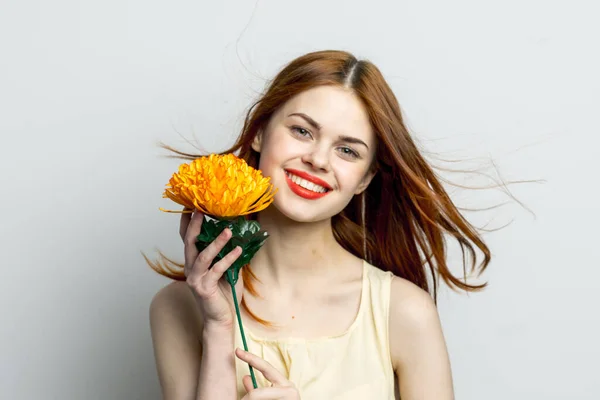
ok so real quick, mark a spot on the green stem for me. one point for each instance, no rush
(239, 318)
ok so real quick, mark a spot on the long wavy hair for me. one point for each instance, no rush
(402, 221)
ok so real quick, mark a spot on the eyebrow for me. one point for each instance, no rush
(308, 119)
(317, 126)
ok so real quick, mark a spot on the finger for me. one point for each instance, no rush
(270, 393)
(192, 231)
(206, 257)
(219, 268)
(268, 371)
(186, 217)
(248, 385)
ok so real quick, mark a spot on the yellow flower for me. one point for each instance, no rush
(221, 186)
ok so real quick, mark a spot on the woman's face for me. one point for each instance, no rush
(317, 149)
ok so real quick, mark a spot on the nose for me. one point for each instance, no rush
(317, 158)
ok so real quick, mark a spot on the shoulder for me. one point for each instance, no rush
(177, 291)
(414, 323)
(410, 304)
(175, 302)
(176, 328)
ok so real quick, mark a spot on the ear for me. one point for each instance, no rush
(366, 181)
(257, 142)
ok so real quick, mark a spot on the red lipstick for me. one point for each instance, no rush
(303, 192)
(310, 178)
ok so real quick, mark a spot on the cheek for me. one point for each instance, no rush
(278, 147)
(350, 177)
(272, 153)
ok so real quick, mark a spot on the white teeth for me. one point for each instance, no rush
(306, 184)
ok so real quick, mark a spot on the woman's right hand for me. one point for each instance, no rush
(212, 292)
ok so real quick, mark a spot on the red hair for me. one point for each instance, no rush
(401, 222)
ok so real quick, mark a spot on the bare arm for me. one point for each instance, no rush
(176, 330)
(217, 370)
(185, 371)
(417, 345)
(192, 322)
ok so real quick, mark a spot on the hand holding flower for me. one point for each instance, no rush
(226, 189)
(212, 293)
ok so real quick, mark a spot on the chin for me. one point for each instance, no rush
(299, 210)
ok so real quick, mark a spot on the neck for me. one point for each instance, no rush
(296, 254)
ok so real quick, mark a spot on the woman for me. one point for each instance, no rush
(336, 304)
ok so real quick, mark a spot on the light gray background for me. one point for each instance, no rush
(88, 88)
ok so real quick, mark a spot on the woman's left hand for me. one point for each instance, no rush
(281, 388)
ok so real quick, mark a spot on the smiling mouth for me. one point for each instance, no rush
(304, 188)
(305, 184)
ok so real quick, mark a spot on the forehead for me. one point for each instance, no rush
(337, 110)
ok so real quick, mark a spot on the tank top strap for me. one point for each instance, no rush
(377, 310)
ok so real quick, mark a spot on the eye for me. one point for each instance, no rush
(347, 151)
(300, 131)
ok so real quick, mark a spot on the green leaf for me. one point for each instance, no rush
(245, 233)
(210, 230)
